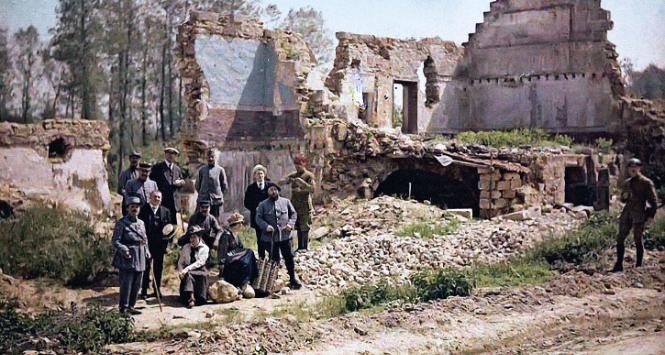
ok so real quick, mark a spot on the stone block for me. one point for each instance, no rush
(515, 184)
(485, 194)
(503, 185)
(484, 203)
(511, 176)
(508, 194)
(463, 212)
(500, 203)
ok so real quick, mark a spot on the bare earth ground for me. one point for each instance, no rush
(573, 313)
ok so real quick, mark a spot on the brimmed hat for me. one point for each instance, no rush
(259, 167)
(135, 154)
(204, 204)
(145, 165)
(194, 230)
(235, 218)
(634, 162)
(274, 185)
(171, 150)
(168, 232)
(133, 200)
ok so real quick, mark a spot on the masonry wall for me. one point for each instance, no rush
(75, 179)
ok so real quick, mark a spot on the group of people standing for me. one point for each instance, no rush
(142, 236)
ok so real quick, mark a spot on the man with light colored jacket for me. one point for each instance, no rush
(211, 184)
(276, 218)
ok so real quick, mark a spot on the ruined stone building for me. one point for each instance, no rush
(531, 63)
(57, 162)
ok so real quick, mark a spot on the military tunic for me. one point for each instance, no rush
(301, 198)
(130, 243)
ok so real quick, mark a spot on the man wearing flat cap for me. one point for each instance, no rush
(168, 176)
(131, 252)
(211, 184)
(155, 217)
(142, 186)
(130, 174)
(637, 191)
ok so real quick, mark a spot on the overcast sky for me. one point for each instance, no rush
(639, 25)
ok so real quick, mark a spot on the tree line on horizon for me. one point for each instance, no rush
(115, 60)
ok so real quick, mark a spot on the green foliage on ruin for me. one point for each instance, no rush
(427, 230)
(63, 331)
(604, 145)
(53, 243)
(515, 138)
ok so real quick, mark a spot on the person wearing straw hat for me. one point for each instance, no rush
(168, 176)
(155, 217)
(257, 192)
(131, 252)
(192, 269)
(131, 173)
(237, 264)
(211, 184)
(142, 186)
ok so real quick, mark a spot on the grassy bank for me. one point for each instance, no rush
(515, 138)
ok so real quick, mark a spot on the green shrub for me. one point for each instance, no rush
(514, 138)
(428, 230)
(440, 284)
(604, 145)
(55, 243)
(368, 296)
(654, 237)
(579, 246)
(73, 330)
(510, 274)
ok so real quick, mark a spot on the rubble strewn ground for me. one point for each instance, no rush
(367, 245)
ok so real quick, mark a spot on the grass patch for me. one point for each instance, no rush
(510, 274)
(654, 237)
(70, 331)
(54, 243)
(515, 138)
(429, 230)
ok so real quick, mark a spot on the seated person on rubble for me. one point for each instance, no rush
(192, 269)
(237, 264)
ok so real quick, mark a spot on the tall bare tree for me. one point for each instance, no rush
(311, 25)
(27, 45)
(5, 69)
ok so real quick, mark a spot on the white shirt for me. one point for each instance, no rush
(201, 256)
(154, 209)
(170, 165)
(261, 184)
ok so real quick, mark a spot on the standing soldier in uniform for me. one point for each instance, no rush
(130, 174)
(637, 191)
(131, 251)
(168, 177)
(211, 184)
(302, 187)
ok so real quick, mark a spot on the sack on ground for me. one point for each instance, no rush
(223, 292)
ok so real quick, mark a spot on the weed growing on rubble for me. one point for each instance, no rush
(515, 138)
(52, 242)
(69, 331)
(510, 274)
(427, 230)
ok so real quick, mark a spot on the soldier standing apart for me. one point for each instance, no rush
(130, 174)
(131, 251)
(276, 217)
(211, 184)
(257, 192)
(142, 186)
(155, 217)
(302, 187)
(168, 177)
(637, 191)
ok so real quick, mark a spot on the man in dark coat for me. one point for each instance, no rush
(192, 269)
(637, 191)
(131, 251)
(142, 186)
(155, 217)
(130, 174)
(257, 192)
(276, 217)
(211, 184)
(168, 176)
(211, 228)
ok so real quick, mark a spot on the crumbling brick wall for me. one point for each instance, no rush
(57, 162)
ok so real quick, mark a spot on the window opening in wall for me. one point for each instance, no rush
(578, 191)
(58, 149)
(405, 106)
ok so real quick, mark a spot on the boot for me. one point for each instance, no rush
(303, 240)
(639, 257)
(618, 267)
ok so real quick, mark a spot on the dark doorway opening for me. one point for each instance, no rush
(578, 191)
(58, 149)
(441, 190)
(405, 105)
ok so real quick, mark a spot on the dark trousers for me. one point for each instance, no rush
(158, 262)
(625, 226)
(261, 246)
(285, 248)
(195, 283)
(303, 239)
(216, 211)
(130, 282)
(168, 201)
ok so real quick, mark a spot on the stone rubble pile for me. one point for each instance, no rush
(377, 253)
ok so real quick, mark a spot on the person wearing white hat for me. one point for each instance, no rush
(257, 192)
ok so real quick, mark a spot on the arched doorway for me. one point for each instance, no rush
(458, 190)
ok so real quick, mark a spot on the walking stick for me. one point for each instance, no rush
(154, 284)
